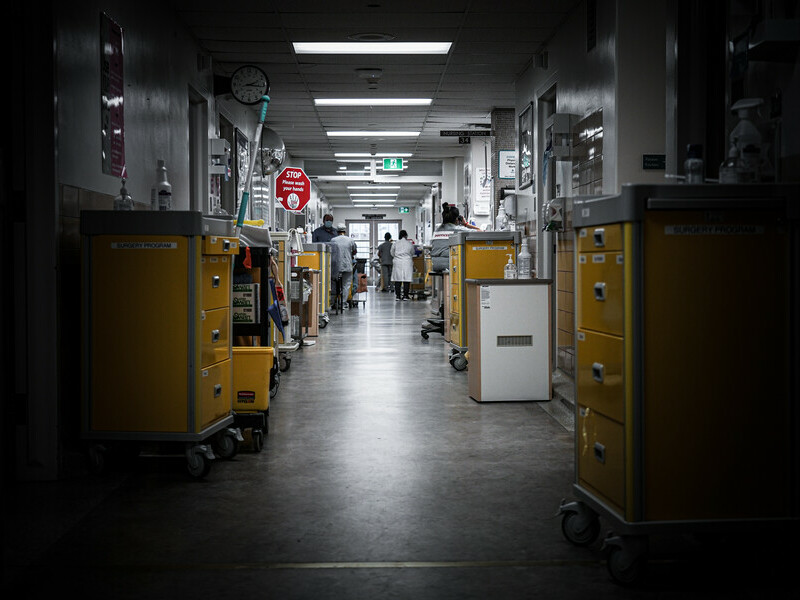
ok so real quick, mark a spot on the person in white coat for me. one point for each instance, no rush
(403, 267)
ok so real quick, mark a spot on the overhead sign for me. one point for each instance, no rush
(293, 189)
(465, 133)
(392, 164)
(402, 209)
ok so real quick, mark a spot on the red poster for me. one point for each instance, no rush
(111, 98)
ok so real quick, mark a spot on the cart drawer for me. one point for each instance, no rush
(215, 394)
(601, 454)
(602, 238)
(216, 281)
(599, 376)
(213, 244)
(600, 292)
(215, 336)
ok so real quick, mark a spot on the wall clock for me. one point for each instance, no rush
(249, 84)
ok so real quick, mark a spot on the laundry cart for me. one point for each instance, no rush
(156, 323)
(473, 255)
(318, 257)
(687, 353)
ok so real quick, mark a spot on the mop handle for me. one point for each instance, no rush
(249, 180)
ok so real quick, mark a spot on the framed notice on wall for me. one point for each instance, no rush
(112, 86)
(507, 164)
(525, 146)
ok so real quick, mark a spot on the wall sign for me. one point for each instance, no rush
(112, 86)
(507, 164)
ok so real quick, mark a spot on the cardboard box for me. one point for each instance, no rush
(245, 314)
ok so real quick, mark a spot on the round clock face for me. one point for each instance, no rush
(249, 84)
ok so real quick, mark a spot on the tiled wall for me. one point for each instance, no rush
(587, 178)
(565, 294)
(505, 138)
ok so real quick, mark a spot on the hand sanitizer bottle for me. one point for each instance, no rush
(510, 271)
(161, 192)
(124, 200)
(524, 261)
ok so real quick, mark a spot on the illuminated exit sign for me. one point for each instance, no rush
(392, 164)
(402, 209)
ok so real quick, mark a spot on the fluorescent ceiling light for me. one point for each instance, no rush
(373, 200)
(373, 133)
(373, 187)
(379, 155)
(371, 47)
(372, 101)
(365, 195)
(354, 160)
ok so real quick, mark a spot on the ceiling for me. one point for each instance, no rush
(492, 44)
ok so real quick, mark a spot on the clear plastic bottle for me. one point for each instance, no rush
(124, 200)
(728, 172)
(693, 167)
(510, 271)
(161, 192)
(524, 261)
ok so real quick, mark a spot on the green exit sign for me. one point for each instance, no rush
(402, 209)
(392, 164)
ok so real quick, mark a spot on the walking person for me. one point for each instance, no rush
(386, 261)
(346, 249)
(403, 266)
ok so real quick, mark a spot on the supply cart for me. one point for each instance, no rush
(687, 348)
(473, 255)
(317, 256)
(156, 315)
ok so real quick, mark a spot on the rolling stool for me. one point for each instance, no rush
(435, 325)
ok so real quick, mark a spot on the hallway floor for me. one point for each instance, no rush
(380, 478)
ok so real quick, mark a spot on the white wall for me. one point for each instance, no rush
(160, 65)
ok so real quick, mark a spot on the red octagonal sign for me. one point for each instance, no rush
(293, 189)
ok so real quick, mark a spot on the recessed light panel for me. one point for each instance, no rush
(372, 47)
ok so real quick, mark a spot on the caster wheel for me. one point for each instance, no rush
(285, 363)
(323, 323)
(258, 440)
(459, 363)
(96, 459)
(273, 390)
(198, 465)
(424, 336)
(580, 530)
(226, 446)
(625, 568)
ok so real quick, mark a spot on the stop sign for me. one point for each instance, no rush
(293, 189)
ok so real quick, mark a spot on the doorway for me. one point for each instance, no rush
(368, 235)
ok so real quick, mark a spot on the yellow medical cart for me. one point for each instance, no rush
(687, 352)
(473, 255)
(156, 323)
(251, 388)
(318, 257)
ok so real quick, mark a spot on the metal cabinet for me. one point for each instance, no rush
(687, 345)
(156, 298)
(473, 255)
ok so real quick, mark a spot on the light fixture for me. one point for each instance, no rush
(372, 101)
(369, 195)
(373, 187)
(373, 133)
(379, 155)
(371, 47)
(373, 200)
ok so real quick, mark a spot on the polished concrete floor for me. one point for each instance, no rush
(379, 478)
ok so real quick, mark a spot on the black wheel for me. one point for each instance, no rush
(581, 530)
(459, 362)
(226, 446)
(323, 323)
(198, 465)
(424, 335)
(624, 567)
(285, 363)
(96, 459)
(258, 440)
(273, 390)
